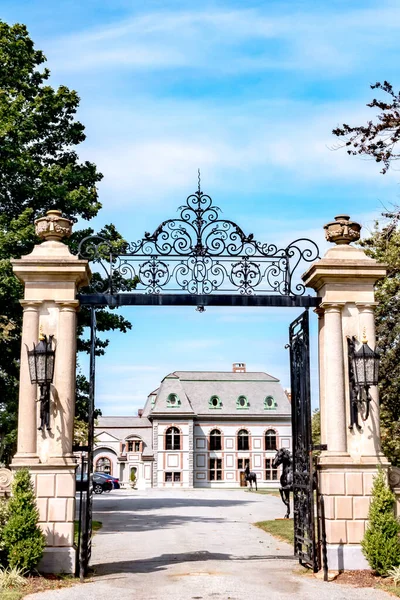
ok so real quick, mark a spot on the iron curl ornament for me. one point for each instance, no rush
(198, 253)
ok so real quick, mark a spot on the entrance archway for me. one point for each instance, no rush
(202, 260)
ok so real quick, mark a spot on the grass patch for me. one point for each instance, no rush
(269, 492)
(11, 595)
(96, 525)
(39, 583)
(281, 529)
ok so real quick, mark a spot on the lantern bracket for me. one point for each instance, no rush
(360, 397)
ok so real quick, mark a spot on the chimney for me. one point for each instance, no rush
(288, 393)
(140, 412)
(239, 367)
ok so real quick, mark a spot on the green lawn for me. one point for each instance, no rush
(269, 491)
(96, 525)
(280, 528)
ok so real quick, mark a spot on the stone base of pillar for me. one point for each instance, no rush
(25, 460)
(346, 557)
(54, 486)
(58, 560)
(346, 485)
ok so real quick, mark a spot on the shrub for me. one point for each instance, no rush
(12, 578)
(381, 543)
(133, 477)
(394, 573)
(24, 541)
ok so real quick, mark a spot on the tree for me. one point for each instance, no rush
(381, 543)
(384, 246)
(377, 140)
(23, 539)
(40, 170)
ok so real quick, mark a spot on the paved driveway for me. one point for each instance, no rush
(195, 545)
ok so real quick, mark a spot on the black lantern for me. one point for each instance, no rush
(363, 373)
(41, 370)
(366, 365)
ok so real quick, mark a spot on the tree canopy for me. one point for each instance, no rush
(40, 170)
(378, 139)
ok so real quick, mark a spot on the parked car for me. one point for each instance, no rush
(115, 480)
(100, 484)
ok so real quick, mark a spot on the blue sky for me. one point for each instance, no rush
(247, 91)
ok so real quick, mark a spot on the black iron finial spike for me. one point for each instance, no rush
(198, 179)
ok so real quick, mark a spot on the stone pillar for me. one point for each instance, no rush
(26, 445)
(334, 379)
(51, 276)
(344, 279)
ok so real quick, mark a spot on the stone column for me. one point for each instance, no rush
(372, 441)
(334, 392)
(64, 376)
(344, 280)
(28, 393)
(51, 276)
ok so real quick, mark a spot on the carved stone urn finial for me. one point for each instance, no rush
(342, 230)
(53, 226)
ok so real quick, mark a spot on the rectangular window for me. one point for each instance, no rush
(270, 473)
(130, 446)
(168, 477)
(215, 469)
(177, 476)
(243, 463)
(137, 446)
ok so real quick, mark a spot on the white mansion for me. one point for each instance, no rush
(199, 429)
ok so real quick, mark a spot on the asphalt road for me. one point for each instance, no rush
(195, 545)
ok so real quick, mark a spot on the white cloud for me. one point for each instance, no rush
(216, 40)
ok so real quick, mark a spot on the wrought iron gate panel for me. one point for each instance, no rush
(86, 494)
(197, 253)
(303, 469)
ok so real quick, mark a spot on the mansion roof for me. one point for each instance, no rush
(194, 390)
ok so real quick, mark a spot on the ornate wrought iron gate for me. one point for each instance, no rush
(304, 475)
(84, 550)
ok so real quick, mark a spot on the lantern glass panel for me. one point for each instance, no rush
(50, 367)
(41, 367)
(32, 366)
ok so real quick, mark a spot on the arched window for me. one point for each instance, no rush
(173, 401)
(215, 439)
(243, 439)
(214, 402)
(269, 403)
(172, 439)
(270, 439)
(242, 402)
(103, 465)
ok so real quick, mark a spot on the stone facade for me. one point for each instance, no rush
(195, 458)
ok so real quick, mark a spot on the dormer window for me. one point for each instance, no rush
(242, 402)
(173, 401)
(214, 402)
(269, 403)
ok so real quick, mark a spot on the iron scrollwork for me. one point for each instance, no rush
(304, 476)
(199, 253)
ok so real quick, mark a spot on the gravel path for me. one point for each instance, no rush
(195, 545)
